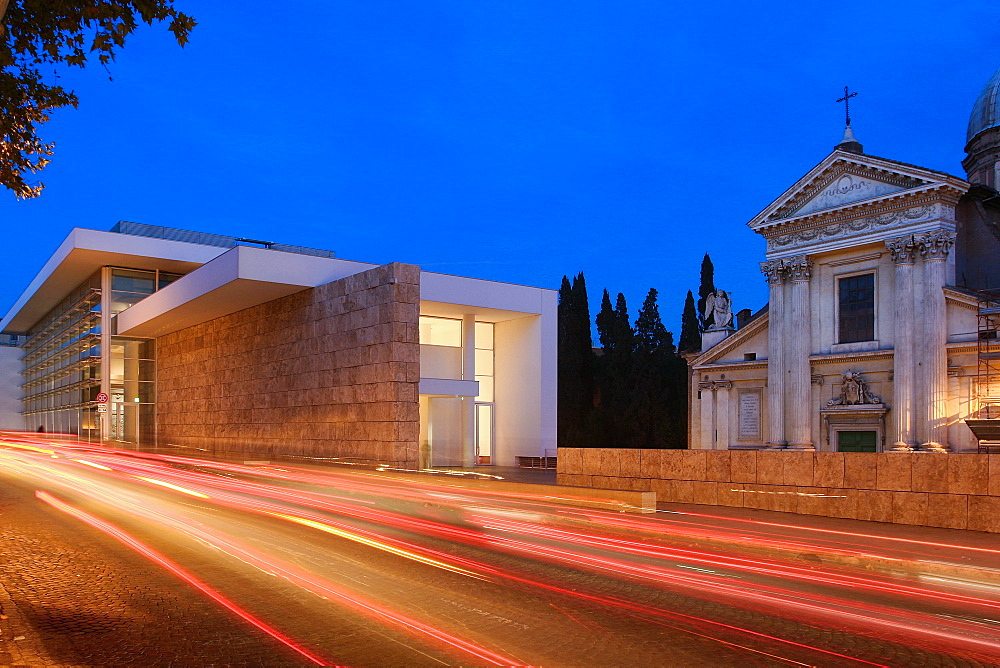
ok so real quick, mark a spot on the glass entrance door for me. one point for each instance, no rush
(484, 434)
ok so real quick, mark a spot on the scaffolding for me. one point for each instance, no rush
(985, 422)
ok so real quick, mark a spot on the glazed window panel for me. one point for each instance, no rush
(166, 279)
(133, 280)
(485, 388)
(440, 331)
(484, 335)
(856, 306)
(484, 362)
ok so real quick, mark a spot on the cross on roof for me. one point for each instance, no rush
(847, 104)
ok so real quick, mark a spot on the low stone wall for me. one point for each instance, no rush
(959, 491)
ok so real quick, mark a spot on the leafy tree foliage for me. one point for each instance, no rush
(690, 336)
(58, 32)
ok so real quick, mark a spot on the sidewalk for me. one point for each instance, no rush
(891, 549)
(510, 473)
(898, 549)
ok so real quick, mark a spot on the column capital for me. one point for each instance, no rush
(903, 249)
(774, 271)
(799, 268)
(935, 246)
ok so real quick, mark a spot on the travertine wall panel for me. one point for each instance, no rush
(331, 371)
(958, 491)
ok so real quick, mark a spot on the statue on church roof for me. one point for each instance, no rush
(718, 310)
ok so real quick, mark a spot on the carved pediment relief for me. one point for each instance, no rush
(844, 184)
(851, 195)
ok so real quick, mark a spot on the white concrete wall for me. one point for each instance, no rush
(10, 388)
(465, 292)
(525, 418)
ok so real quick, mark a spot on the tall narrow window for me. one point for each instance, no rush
(484, 360)
(857, 308)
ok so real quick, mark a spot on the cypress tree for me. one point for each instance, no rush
(563, 310)
(622, 332)
(651, 335)
(575, 363)
(581, 320)
(619, 380)
(706, 288)
(606, 323)
(565, 368)
(583, 343)
(640, 380)
(690, 336)
(654, 399)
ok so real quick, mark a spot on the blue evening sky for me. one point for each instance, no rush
(515, 141)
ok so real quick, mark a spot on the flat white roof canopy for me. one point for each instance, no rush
(220, 281)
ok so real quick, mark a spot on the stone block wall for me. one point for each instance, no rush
(330, 371)
(960, 491)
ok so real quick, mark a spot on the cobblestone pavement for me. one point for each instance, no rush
(518, 583)
(71, 596)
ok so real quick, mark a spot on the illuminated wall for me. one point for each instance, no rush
(330, 371)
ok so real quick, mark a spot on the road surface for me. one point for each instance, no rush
(123, 557)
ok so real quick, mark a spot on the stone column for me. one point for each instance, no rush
(105, 418)
(774, 271)
(707, 390)
(799, 397)
(904, 252)
(722, 415)
(934, 249)
(469, 403)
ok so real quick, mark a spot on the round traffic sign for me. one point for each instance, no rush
(102, 398)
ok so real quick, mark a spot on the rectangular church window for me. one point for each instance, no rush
(857, 308)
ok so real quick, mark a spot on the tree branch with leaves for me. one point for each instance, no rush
(36, 33)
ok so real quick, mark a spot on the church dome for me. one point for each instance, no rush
(986, 111)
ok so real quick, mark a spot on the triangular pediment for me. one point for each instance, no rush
(846, 180)
(846, 186)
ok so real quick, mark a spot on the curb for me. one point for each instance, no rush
(871, 563)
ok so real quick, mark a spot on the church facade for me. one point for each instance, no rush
(869, 342)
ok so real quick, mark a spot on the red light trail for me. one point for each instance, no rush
(506, 541)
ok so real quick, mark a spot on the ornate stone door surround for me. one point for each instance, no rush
(870, 417)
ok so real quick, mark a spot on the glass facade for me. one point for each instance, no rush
(485, 369)
(72, 355)
(442, 356)
(62, 365)
(484, 361)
